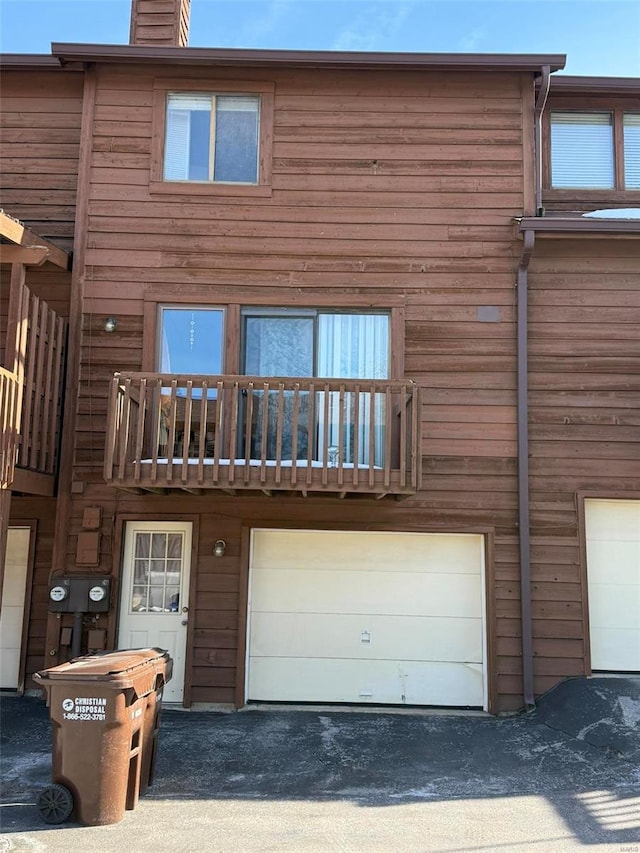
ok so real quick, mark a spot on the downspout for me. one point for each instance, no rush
(523, 469)
(541, 100)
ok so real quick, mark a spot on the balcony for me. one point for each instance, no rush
(234, 433)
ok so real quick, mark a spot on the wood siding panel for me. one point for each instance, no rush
(39, 149)
(585, 364)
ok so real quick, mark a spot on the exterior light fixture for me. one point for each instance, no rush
(219, 548)
(110, 324)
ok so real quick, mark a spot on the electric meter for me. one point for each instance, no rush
(58, 593)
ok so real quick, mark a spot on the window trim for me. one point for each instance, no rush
(616, 108)
(232, 305)
(162, 88)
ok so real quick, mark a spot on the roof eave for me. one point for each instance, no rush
(564, 84)
(304, 58)
(575, 226)
(11, 61)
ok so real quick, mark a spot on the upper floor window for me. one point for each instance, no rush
(595, 150)
(212, 138)
(631, 125)
(582, 150)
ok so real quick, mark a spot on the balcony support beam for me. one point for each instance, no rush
(14, 231)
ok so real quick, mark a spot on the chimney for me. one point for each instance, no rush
(162, 23)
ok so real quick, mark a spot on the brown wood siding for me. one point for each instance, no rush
(39, 143)
(385, 187)
(584, 421)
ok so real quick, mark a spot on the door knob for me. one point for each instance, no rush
(185, 609)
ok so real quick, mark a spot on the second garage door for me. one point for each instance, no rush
(376, 617)
(613, 571)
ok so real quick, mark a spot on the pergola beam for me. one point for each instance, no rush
(32, 256)
(14, 231)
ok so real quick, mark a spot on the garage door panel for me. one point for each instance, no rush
(615, 649)
(329, 550)
(385, 637)
(617, 520)
(313, 591)
(610, 560)
(613, 573)
(355, 616)
(615, 606)
(378, 682)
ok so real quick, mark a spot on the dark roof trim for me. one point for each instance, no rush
(28, 60)
(578, 225)
(564, 83)
(304, 58)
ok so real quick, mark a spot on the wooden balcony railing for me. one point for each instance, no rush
(31, 394)
(246, 432)
(42, 392)
(9, 423)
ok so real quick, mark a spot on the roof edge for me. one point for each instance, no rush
(578, 225)
(29, 60)
(568, 83)
(304, 58)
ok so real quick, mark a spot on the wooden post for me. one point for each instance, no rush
(15, 353)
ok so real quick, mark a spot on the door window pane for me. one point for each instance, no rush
(279, 346)
(157, 572)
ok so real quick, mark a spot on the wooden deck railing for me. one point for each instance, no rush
(247, 432)
(9, 423)
(42, 392)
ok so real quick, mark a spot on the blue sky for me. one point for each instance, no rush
(599, 36)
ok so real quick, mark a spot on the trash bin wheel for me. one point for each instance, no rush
(55, 804)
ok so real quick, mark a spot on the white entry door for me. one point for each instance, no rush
(613, 572)
(367, 617)
(13, 598)
(154, 600)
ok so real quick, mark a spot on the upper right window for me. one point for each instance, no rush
(631, 126)
(595, 150)
(582, 150)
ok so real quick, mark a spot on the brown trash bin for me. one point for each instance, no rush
(100, 707)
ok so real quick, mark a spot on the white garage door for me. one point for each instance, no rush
(13, 600)
(613, 571)
(388, 618)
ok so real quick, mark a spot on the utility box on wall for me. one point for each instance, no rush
(74, 594)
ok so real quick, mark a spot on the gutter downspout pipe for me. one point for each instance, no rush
(523, 468)
(543, 93)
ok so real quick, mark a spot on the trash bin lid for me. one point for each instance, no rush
(119, 669)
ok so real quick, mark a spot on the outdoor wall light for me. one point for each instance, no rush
(110, 324)
(219, 548)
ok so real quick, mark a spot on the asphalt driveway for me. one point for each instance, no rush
(562, 778)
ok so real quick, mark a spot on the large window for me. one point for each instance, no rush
(212, 138)
(323, 344)
(595, 150)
